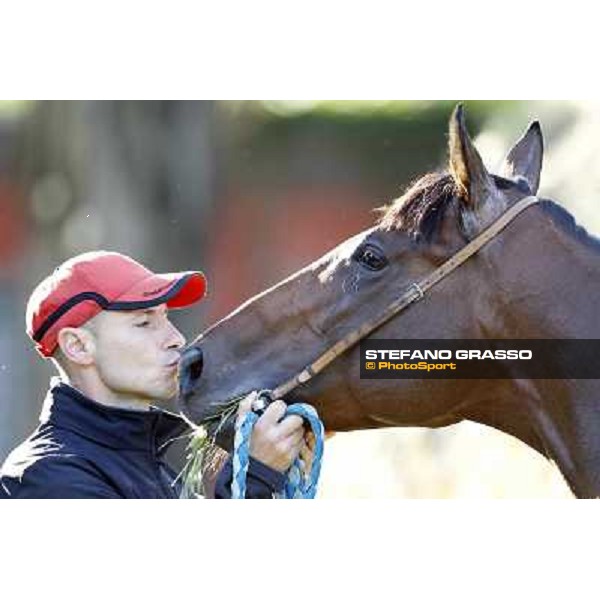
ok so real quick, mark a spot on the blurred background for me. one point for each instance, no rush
(249, 192)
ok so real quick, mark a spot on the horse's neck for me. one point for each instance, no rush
(553, 284)
(552, 293)
(566, 413)
(566, 416)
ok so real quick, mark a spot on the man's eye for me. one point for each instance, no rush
(143, 323)
(371, 258)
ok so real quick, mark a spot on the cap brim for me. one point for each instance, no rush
(176, 290)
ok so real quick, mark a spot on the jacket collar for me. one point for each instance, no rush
(118, 428)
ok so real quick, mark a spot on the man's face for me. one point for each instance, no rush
(137, 353)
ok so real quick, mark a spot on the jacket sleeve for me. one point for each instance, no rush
(58, 477)
(262, 481)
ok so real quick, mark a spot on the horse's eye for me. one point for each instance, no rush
(370, 257)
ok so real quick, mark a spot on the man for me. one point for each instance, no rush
(102, 319)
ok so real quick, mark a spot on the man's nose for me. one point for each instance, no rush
(176, 339)
(190, 369)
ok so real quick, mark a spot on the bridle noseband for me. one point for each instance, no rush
(414, 292)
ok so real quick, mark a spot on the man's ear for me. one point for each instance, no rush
(77, 345)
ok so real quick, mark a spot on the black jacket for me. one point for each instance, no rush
(83, 449)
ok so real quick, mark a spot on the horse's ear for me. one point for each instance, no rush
(524, 161)
(466, 165)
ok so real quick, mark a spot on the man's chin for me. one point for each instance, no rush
(166, 396)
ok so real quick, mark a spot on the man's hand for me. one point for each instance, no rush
(275, 443)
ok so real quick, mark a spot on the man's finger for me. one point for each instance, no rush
(293, 442)
(298, 438)
(291, 425)
(273, 413)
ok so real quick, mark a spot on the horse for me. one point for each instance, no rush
(537, 277)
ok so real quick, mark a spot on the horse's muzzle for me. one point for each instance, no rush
(190, 369)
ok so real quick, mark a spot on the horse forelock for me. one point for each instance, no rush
(420, 209)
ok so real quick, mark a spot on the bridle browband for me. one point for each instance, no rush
(414, 292)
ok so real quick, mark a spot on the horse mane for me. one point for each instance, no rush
(421, 207)
(564, 219)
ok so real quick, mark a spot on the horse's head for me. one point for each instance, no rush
(277, 333)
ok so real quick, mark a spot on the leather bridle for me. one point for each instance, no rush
(413, 293)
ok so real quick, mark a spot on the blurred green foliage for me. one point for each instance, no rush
(387, 143)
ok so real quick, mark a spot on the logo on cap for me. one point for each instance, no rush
(157, 290)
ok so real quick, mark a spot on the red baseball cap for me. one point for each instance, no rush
(85, 285)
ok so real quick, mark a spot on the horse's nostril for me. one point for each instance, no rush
(196, 367)
(191, 366)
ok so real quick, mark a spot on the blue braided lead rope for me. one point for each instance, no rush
(297, 485)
